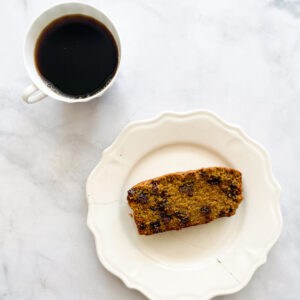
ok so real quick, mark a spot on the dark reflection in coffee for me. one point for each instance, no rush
(76, 55)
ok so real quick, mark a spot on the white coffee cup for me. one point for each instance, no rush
(39, 89)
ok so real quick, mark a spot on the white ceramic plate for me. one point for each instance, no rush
(197, 262)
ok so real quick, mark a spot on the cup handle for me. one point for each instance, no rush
(32, 94)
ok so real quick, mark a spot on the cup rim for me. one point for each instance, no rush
(42, 87)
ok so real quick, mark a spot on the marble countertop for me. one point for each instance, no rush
(240, 59)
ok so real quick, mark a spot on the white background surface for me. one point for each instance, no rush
(240, 59)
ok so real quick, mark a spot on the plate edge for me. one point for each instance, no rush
(260, 260)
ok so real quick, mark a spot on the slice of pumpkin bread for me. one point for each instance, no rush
(178, 200)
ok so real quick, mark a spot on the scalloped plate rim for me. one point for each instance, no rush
(260, 260)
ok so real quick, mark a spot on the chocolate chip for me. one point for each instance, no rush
(184, 219)
(202, 174)
(229, 194)
(231, 191)
(153, 208)
(205, 210)
(179, 214)
(187, 189)
(163, 214)
(164, 195)
(230, 210)
(234, 189)
(221, 214)
(155, 226)
(171, 178)
(214, 180)
(130, 195)
(184, 222)
(142, 198)
(131, 192)
(142, 226)
(154, 188)
(166, 219)
(161, 206)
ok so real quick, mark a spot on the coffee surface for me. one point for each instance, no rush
(76, 55)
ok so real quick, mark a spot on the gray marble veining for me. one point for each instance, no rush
(240, 59)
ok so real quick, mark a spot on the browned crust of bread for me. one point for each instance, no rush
(182, 199)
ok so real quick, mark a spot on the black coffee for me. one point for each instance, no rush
(76, 55)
